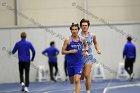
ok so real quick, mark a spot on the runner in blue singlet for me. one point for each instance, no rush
(73, 47)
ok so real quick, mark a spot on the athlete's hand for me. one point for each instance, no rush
(98, 51)
(73, 51)
(83, 50)
(86, 54)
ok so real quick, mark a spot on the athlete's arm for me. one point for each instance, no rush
(85, 47)
(96, 45)
(85, 44)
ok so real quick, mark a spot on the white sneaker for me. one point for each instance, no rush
(26, 89)
(88, 91)
(22, 86)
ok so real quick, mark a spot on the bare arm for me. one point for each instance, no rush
(96, 45)
(66, 43)
(85, 47)
(85, 44)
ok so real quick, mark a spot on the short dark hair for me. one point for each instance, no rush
(52, 43)
(84, 21)
(23, 35)
(74, 25)
(129, 38)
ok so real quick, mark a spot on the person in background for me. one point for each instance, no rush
(52, 52)
(23, 47)
(129, 54)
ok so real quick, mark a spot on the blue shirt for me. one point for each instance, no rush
(52, 52)
(129, 50)
(74, 59)
(23, 47)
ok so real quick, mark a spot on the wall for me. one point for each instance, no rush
(111, 39)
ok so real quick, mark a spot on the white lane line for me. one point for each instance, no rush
(120, 86)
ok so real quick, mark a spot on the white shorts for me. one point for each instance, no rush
(89, 59)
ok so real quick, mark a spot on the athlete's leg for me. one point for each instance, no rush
(56, 68)
(131, 65)
(21, 68)
(77, 76)
(87, 70)
(77, 83)
(27, 71)
(131, 68)
(51, 71)
(127, 65)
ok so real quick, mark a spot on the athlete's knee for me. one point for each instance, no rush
(77, 80)
(87, 75)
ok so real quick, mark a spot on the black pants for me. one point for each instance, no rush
(24, 66)
(51, 65)
(129, 65)
(65, 68)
